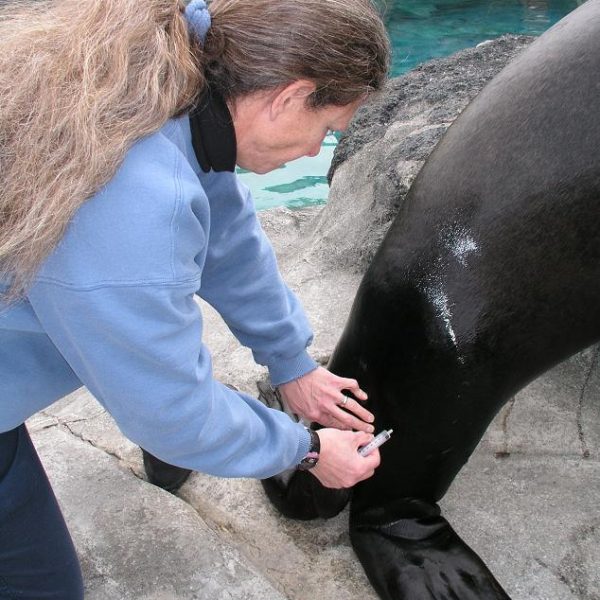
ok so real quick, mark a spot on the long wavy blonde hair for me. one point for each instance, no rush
(80, 82)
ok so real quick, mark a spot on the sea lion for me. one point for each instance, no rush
(489, 276)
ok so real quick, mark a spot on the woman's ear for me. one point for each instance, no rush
(291, 97)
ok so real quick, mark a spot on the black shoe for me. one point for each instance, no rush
(166, 476)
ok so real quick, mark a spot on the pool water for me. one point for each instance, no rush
(419, 30)
(296, 184)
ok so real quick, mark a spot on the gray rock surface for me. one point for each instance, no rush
(134, 540)
(527, 501)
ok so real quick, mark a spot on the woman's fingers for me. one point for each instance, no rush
(346, 413)
(352, 386)
(340, 465)
(354, 407)
(351, 415)
(319, 396)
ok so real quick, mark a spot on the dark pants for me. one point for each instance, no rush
(37, 557)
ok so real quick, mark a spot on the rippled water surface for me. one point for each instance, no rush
(419, 30)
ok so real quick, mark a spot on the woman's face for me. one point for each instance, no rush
(277, 127)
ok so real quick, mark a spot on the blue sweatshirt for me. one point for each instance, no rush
(113, 308)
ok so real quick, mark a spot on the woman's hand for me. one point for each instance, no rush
(340, 465)
(317, 396)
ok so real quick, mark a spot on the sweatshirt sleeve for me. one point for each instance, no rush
(117, 300)
(139, 351)
(241, 280)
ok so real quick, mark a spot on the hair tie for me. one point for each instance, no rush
(198, 18)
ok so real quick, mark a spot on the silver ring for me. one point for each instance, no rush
(344, 402)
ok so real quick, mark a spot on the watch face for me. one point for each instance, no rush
(309, 461)
(312, 456)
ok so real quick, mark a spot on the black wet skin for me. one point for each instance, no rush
(489, 276)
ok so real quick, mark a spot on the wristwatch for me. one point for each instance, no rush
(312, 456)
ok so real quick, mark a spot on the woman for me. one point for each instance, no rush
(122, 122)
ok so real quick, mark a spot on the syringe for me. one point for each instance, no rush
(379, 439)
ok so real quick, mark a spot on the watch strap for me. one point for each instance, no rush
(312, 456)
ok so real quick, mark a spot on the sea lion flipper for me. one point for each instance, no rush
(300, 495)
(419, 556)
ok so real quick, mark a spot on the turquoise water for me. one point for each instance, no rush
(299, 183)
(419, 30)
